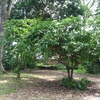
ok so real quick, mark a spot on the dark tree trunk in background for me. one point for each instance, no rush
(2, 19)
(4, 14)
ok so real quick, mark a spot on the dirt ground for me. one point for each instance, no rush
(47, 87)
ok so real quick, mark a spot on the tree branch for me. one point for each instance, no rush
(9, 8)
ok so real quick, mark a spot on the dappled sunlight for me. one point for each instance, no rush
(92, 98)
(31, 82)
(3, 81)
(27, 75)
(9, 75)
(47, 77)
(47, 83)
(26, 79)
(76, 78)
(93, 78)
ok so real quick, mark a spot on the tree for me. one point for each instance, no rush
(70, 41)
(17, 54)
(30, 9)
(56, 9)
(98, 8)
(94, 66)
(4, 14)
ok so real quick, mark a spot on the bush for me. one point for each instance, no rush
(93, 68)
(81, 69)
(15, 46)
(81, 85)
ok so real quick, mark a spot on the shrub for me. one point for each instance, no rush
(81, 85)
(81, 69)
(93, 68)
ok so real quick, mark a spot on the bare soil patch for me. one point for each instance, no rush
(46, 86)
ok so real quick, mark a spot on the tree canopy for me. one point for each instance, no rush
(71, 41)
(56, 9)
(61, 30)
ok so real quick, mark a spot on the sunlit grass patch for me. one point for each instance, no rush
(4, 81)
(80, 71)
(10, 83)
(27, 75)
(6, 88)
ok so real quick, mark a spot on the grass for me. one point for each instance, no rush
(5, 85)
(10, 84)
(34, 86)
(80, 71)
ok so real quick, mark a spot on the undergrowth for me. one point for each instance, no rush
(80, 84)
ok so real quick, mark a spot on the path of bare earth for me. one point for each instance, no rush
(46, 87)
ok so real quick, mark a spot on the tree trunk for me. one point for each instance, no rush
(70, 73)
(1, 66)
(3, 16)
(9, 8)
(2, 19)
(18, 75)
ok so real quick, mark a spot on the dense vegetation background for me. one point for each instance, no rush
(65, 32)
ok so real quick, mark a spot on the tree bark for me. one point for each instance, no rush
(2, 19)
(3, 16)
(9, 8)
(18, 75)
(70, 73)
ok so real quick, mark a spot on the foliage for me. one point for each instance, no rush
(29, 9)
(72, 8)
(81, 85)
(80, 69)
(17, 54)
(98, 8)
(56, 9)
(93, 68)
(70, 41)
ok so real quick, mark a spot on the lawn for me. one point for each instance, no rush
(45, 85)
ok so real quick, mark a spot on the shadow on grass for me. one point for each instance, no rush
(10, 83)
(35, 85)
(48, 87)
